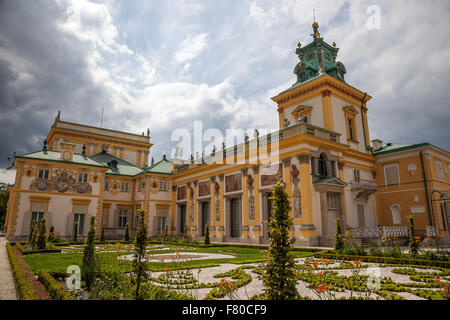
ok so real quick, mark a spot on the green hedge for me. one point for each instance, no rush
(24, 251)
(386, 260)
(54, 288)
(23, 287)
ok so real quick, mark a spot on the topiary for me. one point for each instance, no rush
(75, 232)
(88, 265)
(32, 240)
(339, 240)
(279, 276)
(207, 240)
(127, 233)
(413, 242)
(51, 234)
(42, 237)
(140, 266)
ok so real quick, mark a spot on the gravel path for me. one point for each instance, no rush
(7, 290)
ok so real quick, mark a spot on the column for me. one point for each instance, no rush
(174, 215)
(307, 228)
(189, 216)
(257, 226)
(195, 204)
(212, 207)
(221, 226)
(327, 110)
(245, 228)
(288, 184)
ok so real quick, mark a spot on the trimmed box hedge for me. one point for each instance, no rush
(55, 290)
(23, 288)
(385, 260)
(24, 251)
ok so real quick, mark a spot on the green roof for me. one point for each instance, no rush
(394, 147)
(164, 166)
(124, 168)
(55, 156)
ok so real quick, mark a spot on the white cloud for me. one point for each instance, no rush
(191, 47)
(7, 176)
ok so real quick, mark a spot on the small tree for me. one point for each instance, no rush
(279, 277)
(88, 262)
(51, 234)
(413, 242)
(33, 235)
(207, 240)
(139, 263)
(75, 232)
(127, 233)
(42, 237)
(185, 238)
(339, 241)
(166, 233)
(102, 234)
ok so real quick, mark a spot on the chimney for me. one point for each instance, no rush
(377, 144)
(67, 150)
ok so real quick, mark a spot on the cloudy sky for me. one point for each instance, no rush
(164, 64)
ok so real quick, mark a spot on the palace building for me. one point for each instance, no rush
(322, 152)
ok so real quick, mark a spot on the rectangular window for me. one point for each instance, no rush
(163, 186)
(123, 218)
(361, 216)
(391, 174)
(106, 185)
(124, 187)
(440, 173)
(161, 224)
(79, 217)
(43, 174)
(350, 129)
(82, 178)
(357, 175)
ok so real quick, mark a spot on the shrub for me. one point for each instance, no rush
(140, 266)
(279, 277)
(207, 240)
(413, 242)
(339, 241)
(54, 288)
(75, 231)
(23, 287)
(127, 233)
(32, 240)
(42, 238)
(51, 234)
(88, 268)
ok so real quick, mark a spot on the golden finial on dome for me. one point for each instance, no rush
(334, 44)
(299, 45)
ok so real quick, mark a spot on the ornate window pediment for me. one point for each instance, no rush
(302, 112)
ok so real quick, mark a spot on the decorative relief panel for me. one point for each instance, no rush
(296, 196)
(233, 183)
(63, 181)
(271, 175)
(204, 188)
(251, 197)
(182, 193)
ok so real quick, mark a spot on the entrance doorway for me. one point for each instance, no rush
(234, 216)
(205, 217)
(182, 218)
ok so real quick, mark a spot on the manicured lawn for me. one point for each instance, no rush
(60, 261)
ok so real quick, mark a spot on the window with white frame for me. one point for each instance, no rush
(43, 174)
(396, 218)
(391, 174)
(357, 175)
(83, 177)
(163, 186)
(124, 186)
(123, 218)
(161, 224)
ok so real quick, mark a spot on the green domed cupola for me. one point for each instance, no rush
(318, 58)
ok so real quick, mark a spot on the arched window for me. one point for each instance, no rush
(396, 219)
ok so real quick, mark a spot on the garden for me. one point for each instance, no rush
(179, 269)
